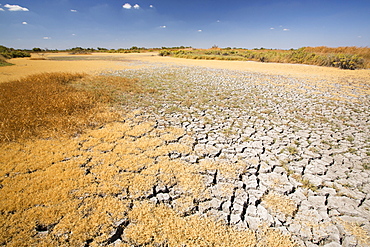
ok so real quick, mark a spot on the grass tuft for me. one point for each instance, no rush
(357, 230)
(273, 237)
(280, 204)
(161, 226)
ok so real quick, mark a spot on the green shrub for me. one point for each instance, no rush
(3, 61)
(346, 61)
(12, 53)
(80, 50)
(164, 53)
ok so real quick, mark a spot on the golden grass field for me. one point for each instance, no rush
(70, 158)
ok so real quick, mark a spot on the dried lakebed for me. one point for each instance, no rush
(212, 157)
(292, 153)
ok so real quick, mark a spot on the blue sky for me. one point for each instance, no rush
(62, 24)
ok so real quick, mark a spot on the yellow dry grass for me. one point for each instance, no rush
(274, 238)
(225, 169)
(40, 103)
(47, 104)
(356, 230)
(280, 204)
(161, 226)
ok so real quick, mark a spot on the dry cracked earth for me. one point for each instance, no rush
(248, 150)
(299, 153)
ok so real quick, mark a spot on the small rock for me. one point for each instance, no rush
(332, 244)
(163, 197)
(250, 182)
(318, 202)
(251, 211)
(225, 207)
(349, 241)
(253, 222)
(235, 218)
(191, 159)
(313, 179)
(344, 205)
(264, 215)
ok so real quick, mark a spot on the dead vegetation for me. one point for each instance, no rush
(48, 104)
(280, 204)
(161, 226)
(355, 229)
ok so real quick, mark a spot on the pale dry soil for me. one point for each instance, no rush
(224, 154)
(25, 66)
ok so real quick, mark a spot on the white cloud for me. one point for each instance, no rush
(163, 26)
(46, 37)
(286, 29)
(199, 31)
(359, 37)
(151, 6)
(127, 6)
(1, 9)
(24, 23)
(272, 28)
(73, 10)
(15, 7)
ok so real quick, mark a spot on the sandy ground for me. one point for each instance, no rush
(25, 66)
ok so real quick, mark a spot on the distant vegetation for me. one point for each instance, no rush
(3, 61)
(81, 50)
(341, 57)
(133, 49)
(12, 53)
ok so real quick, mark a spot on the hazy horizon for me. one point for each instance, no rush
(279, 24)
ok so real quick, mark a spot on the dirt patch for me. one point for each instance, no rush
(62, 63)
